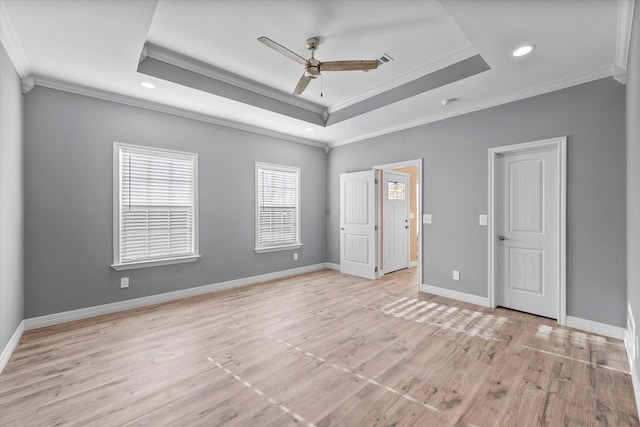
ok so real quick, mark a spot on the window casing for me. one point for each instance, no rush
(155, 206)
(277, 207)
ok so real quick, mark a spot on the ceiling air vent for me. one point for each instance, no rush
(385, 58)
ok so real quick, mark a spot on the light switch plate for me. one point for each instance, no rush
(483, 220)
(456, 275)
(124, 282)
(427, 219)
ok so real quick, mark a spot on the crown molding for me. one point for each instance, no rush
(165, 55)
(623, 38)
(620, 74)
(405, 78)
(11, 44)
(176, 111)
(28, 84)
(135, 102)
(500, 100)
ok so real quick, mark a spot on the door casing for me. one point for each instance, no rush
(560, 146)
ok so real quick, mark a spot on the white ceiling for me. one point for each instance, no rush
(93, 47)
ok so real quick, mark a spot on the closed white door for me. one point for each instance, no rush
(358, 224)
(527, 227)
(395, 221)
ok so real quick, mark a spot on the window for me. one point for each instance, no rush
(277, 207)
(395, 190)
(155, 207)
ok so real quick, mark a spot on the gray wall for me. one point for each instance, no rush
(11, 200)
(633, 174)
(592, 116)
(68, 201)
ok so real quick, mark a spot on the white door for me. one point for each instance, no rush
(395, 221)
(358, 224)
(527, 226)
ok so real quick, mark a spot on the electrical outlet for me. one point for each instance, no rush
(124, 282)
(427, 219)
(456, 275)
(295, 256)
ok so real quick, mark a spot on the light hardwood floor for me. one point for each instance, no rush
(320, 349)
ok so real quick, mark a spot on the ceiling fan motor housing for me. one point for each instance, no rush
(313, 67)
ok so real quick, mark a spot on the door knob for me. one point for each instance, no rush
(406, 227)
(342, 228)
(501, 237)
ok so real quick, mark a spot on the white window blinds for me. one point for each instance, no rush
(277, 217)
(156, 205)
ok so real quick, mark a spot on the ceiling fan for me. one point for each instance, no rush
(312, 66)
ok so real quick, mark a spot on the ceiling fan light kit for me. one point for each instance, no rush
(312, 66)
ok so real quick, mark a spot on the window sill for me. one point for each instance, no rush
(154, 263)
(278, 248)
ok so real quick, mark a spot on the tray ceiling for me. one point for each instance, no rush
(206, 62)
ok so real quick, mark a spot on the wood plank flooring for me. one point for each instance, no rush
(321, 349)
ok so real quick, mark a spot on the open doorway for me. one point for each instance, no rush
(399, 210)
(362, 218)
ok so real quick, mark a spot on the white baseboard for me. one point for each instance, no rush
(595, 327)
(460, 296)
(413, 264)
(573, 322)
(98, 310)
(332, 266)
(635, 380)
(631, 344)
(11, 346)
(630, 334)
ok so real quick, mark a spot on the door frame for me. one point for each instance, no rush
(418, 164)
(560, 146)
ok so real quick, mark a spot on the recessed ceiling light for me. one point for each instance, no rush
(309, 129)
(523, 50)
(148, 85)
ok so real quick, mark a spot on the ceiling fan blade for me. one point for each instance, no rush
(302, 84)
(348, 65)
(283, 50)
